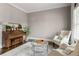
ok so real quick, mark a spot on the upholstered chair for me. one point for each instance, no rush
(66, 50)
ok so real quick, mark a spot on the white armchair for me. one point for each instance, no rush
(59, 51)
(72, 50)
(63, 37)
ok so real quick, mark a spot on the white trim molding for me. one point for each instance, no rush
(37, 10)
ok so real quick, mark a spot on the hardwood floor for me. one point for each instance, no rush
(3, 50)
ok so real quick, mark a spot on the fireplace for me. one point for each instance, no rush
(12, 38)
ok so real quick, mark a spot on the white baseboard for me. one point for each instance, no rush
(35, 38)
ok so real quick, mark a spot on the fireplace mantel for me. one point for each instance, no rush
(12, 38)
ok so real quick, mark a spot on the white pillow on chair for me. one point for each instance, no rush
(65, 40)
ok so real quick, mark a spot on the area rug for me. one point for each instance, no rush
(23, 50)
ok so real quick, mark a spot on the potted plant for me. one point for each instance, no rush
(26, 30)
(19, 26)
(8, 28)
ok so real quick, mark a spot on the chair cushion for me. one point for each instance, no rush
(63, 46)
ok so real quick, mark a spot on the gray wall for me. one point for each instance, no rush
(9, 13)
(46, 24)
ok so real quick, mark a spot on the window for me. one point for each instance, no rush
(75, 26)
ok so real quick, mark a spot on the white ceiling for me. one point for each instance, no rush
(34, 7)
